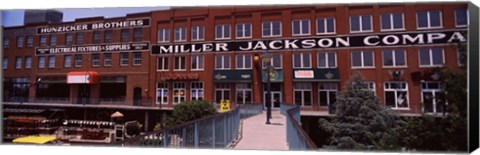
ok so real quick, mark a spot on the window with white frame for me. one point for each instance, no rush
(43, 40)
(28, 62)
(67, 61)
(361, 23)
(432, 97)
(326, 25)
(137, 58)
(222, 31)
(162, 93)
(276, 61)
(327, 93)
(391, 21)
(53, 40)
(96, 37)
(222, 92)
(302, 60)
(6, 42)
(198, 33)
(137, 34)
(163, 35)
(244, 93)
(80, 38)
(272, 29)
(431, 57)
(30, 41)
(302, 94)
(244, 30)
(41, 62)
(18, 62)
(78, 60)
(179, 92)
(222, 62)
(180, 34)
(179, 63)
(51, 61)
(162, 63)
(124, 59)
(394, 58)
(5, 63)
(124, 35)
(197, 62)
(301, 27)
(461, 17)
(371, 86)
(96, 60)
(68, 39)
(196, 91)
(396, 95)
(108, 36)
(462, 55)
(20, 42)
(327, 60)
(244, 61)
(107, 59)
(362, 59)
(429, 19)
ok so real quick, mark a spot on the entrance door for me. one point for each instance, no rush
(83, 94)
(137, 96)
(276, 97)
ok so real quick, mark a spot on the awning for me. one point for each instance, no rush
(35, 139)
(275, 76)
(88, 77)
(234, 76)
(319, 75)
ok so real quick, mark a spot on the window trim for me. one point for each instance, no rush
(223, 32)
(82, 38)
(337, 91)
(223, 62)
(18, 64)
(243, 91)
(5, 62)
(197, 57)
(361, 24)
(75, 60)
(393, 57)
(168, 65)
(395, 90)
(29, 66)
(105, 59)
(392, 22)
(301, 60)
(303, 96)
(30, 44)
(431, 57)
(181, 33)
(433, 91)
(184, 88)
(468, 17)
(180, 63)
(42, 38)
(300, 24)
(197, 89)
(271, 29)
(243, 31)
(53, 43)
(243, 57)
(22, 42)
(126, 38)
(65, 61)
(327, 62)
(97, 60)
(136, 59)
(164, 38)
(121, 59)
(271, 62)
(362, 59)
(40, 66)
(167, 96)
(6, 42)
(325, 26)
(428, 20)
(197, 28)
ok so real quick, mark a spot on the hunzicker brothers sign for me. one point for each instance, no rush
(94, 26)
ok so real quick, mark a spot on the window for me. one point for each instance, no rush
(107, 59)
(96, 37)
(180, 34)
(197, 91)
(198, 33)
(302, 94)
(28, 62)
(78, 60)
(222, 31)
(95, 60)
(19, 42)
(137, 34)
(5, 63)
(429, 19)
(162, 93)
(179, 63)
(244, 30)
(137, 58)
(391, 21)
(80, 39)
(6, 42)
(302, 60)
(326, 25)
(431, 57)
(362, 59)
(41, 62)
(43, 40)
(197, 62)
(244, 61)
(18, 62)
(432, 98)
(51, 61)
(53, 40)
(244, 93)
(327, 60)
(179, 92)
(301, 27)
(327, 93)
(461, 17)
(124, 59)
(30, 41)
(163, 35)
(68, 38)
(361, 23)
(276, 61)
(124, 35)
(396, 94)
(68, 61)
(371, 86)
(394, 58)
(462, 55)
(162, 64)
(222, 62)
(108, 36)
(272, 29)
(222, 92)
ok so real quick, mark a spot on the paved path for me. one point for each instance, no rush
(256, 135)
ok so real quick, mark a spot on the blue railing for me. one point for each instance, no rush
(297, 138)
(216, 131)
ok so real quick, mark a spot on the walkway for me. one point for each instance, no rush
(256, 135)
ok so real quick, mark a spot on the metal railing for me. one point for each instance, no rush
(297, 138)
(83, 101)
(216, 131)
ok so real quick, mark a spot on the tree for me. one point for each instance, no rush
(190, 111)
(360, 122)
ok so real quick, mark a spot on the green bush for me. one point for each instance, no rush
(190, 111)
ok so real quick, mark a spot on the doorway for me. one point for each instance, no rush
(276, 97)
(83, 94)
(137, 96)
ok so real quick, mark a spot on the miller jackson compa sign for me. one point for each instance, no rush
(384, 39)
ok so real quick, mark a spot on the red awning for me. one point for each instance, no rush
(88, 77)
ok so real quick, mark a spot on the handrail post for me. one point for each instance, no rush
(165, 139)
(213, 133)
(225, 132)
(195, 139)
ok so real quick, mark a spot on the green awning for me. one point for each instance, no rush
(320, 75)
(232, 76)
(275, 76)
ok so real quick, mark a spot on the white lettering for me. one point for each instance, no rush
(249, 47)
(272, 44)
(366, 41)
(166, 50)
(309, 43)
(207, 47)
(292, 44)
(434, 36)
(457, 36)
(260, 45)
(339, 41)
(222, 46)
(418, 39)
(321, 42)
(395, 40)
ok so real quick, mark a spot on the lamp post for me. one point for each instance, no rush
(267, 58)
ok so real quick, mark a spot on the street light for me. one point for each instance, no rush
(267, 58)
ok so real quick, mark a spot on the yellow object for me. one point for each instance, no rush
(35, 139)
(224, 105)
